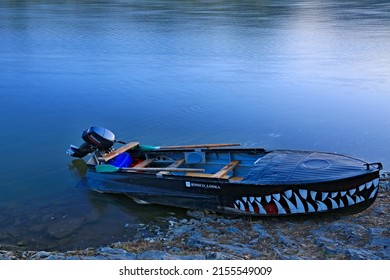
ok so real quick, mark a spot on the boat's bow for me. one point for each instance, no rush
(296, 182)
(297, 167)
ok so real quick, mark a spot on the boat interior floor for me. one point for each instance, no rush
(216, 165)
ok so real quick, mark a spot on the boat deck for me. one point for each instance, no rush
(249, 166)
(216, 165)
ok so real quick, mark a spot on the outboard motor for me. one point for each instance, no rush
(96, 139)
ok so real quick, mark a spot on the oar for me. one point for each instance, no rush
(147, 148)
(111, 168)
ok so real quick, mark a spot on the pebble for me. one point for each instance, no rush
(233, 230)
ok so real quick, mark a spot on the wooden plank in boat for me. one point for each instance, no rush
(144, 163)
(176, 164)
(119, 151)
(236, 178)
(207, 146)
(204, 175)
(226, 169)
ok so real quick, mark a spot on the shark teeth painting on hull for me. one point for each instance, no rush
(303, 193)
(298, 201)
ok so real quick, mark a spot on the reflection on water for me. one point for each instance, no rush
(292, 74)
(78, 167)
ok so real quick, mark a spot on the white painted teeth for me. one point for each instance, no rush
(373, 193)
(288, 194)
(280, 208)
(334, 204)
(250, 207)
(350, 200)
(261, 208)
(321, 206)
(293, 208)
(241, 206)
(310, 207)
(302, 200)
(300, 207)
(303, 193)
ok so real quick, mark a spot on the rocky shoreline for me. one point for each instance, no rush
(202, 235)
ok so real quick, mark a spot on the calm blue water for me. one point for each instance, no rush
(311, 75)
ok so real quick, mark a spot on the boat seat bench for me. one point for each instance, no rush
(176, 164)
(144, 163)
(204, 175)
(221, 174)
(226, 169)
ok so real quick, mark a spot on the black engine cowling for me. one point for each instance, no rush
(96, 139)
(99, 137)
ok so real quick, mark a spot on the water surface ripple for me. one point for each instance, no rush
(307, 74)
